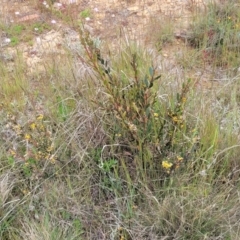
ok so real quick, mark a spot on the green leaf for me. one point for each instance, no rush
(146, 81)
(157, 77)
(178, 96)
(11, 161)
(151, 71)
(147, 111)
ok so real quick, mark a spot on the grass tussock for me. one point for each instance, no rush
(122, 149)
(216, 33)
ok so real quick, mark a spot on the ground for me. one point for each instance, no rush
(127, 140)
(104, 19)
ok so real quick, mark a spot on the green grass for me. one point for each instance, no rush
(23, 33)
(124, 149)
(85, 13)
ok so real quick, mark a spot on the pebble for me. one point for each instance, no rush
(133, 8)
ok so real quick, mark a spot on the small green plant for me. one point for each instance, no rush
(24, 32)
(14, 41)
(85, 13)
(39, 27)
(35, 145)
(16, 29)
(108, 165)
(65, 107)
(14, 32)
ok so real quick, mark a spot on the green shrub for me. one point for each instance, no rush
(147, 136)
(217, 34)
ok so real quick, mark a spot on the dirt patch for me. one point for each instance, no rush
(104, 19)
(103, 16)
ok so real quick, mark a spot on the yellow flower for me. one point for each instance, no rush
(25, 192)
(40, 117)
(236, 25)
(166, 164)
(175, 119)
(13, 153)
(33, 126)
(184, 99)
(39, 155)
(27, 136)
(50, 148)
(179, 158)
(156, 116)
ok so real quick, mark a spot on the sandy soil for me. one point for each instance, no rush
(103, 18)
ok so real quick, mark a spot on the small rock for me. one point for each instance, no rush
(7, 40)
(38, 40)
(57, 5)
(133, 8)
(68, 1)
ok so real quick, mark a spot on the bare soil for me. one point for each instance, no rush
(103, 18)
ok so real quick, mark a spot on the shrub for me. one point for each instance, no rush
(216, 33)
(147, 136)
